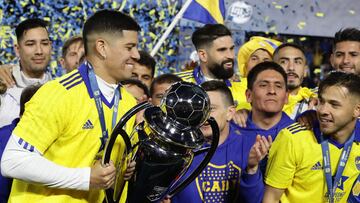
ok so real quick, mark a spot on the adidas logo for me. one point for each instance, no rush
(88, 125)
(317, 166)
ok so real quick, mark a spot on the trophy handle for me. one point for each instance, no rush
(110, 198)
(205, 161)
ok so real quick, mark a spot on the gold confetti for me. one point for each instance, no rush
(170, 52)
(152, 35)
(352, 12)
(291, 40)
(302, 39)
(320, 14)
(273, 28)
(122, 5)
(142, 6)
(301, 25)
(152, 12)
(278, 7)
(114, 4)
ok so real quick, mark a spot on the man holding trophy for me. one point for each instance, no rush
(54, 150)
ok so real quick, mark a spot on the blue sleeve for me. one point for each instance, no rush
(251, 187)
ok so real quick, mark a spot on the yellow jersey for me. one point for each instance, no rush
(296, 165)
(298, 103)
(62, 122)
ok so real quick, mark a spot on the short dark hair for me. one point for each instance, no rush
(27, 94)
(295, 46)
(205, 35)
(28, 24)
(147, 60)
(137, 83)
(350, 81)
(267, 65)
(108, 21)
(348, 34)
(219, 86)
(164, 78)
(69, 42)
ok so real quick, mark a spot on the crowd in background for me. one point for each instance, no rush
(263, 153)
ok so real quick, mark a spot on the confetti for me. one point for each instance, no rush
(301, 25)
(67, 18)
(320, 14)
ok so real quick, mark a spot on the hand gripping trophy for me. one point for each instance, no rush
(168, 139)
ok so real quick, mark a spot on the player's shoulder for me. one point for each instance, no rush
(127, 97)
(186, 75)
(238, 86)
(296, 129)
(69, 80)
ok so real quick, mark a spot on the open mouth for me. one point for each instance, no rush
(325, 120)
(228, 65)
(292, 75)
(347, 68)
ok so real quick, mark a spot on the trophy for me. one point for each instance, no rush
(168, 139)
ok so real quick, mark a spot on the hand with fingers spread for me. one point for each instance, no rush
(6, 76)
(240, 117)
(258, 151)
(130, 170)
(102, 177)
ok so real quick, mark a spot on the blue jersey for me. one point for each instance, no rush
(252, 130)
(224, 179)
(5, 183)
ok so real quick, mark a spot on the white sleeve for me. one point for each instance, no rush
(22, 161)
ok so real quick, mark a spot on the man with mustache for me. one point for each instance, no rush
(267, 94)
(292, 58)
(319, 165)
(33, 48)
(346, 51)
(215, 48)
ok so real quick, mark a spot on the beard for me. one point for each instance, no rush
(220, 72)
(294, 85)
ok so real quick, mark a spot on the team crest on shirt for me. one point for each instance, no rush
(217, 183)
(357, 162)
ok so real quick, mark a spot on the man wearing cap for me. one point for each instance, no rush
(256, 50)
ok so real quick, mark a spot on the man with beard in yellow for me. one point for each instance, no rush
(215, 48)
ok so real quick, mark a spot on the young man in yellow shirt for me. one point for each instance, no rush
(319, 165)
(54, 150)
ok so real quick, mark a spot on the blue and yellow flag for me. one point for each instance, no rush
(206, 11)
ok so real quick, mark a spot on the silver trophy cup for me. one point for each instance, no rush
(168, 139)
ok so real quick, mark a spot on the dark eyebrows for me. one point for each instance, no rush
(131, 44)
(225, 48)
